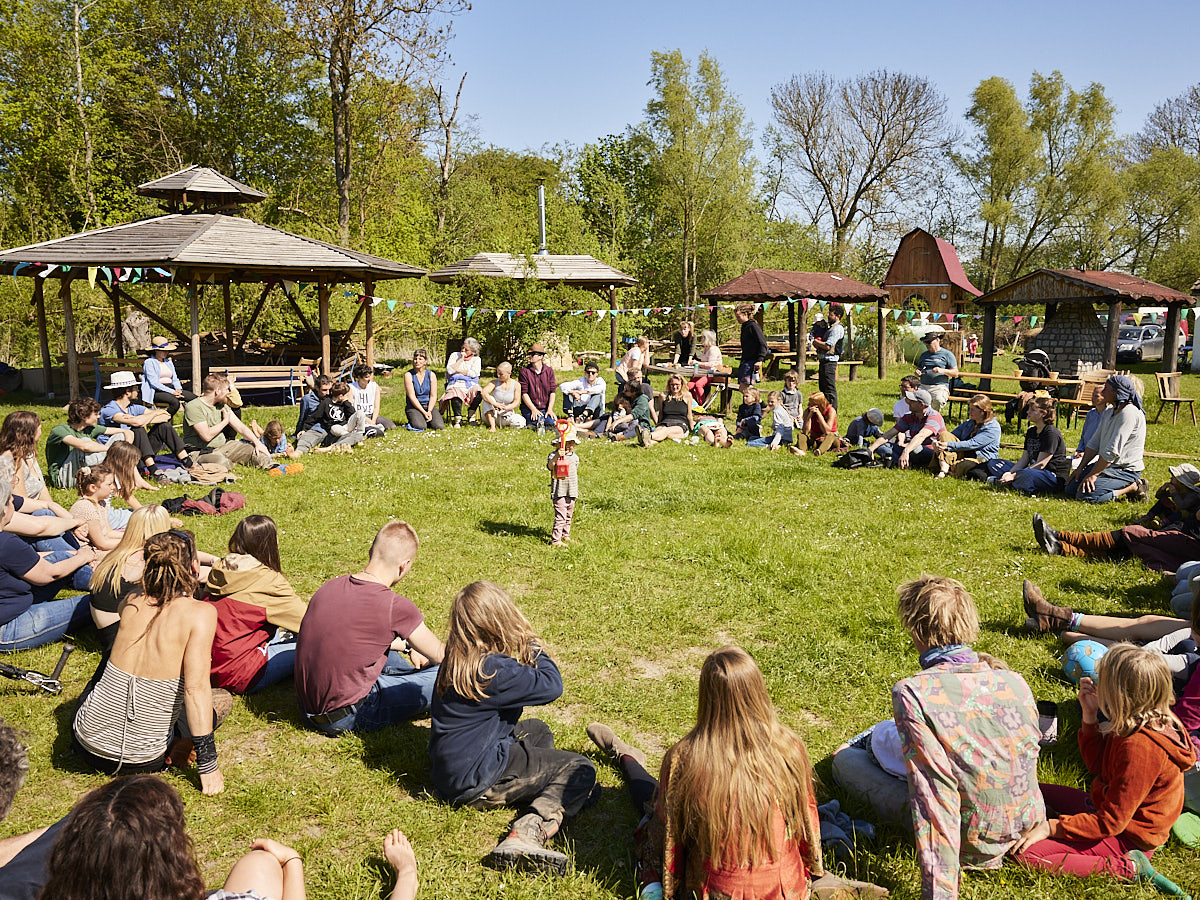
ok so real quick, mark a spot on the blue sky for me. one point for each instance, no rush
(540, 73)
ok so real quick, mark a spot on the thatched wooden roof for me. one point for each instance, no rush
(1083, 286)
(573, 271)
(199, 247)
(769, 284)
(197, 183)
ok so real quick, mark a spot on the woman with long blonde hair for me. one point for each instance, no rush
(482, 753)
(734, 812)
(120, 572)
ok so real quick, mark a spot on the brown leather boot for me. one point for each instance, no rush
(1044, 616)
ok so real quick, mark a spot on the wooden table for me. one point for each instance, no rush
(715, 376)
(1041, 382)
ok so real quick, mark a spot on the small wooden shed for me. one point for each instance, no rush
(577, 271)
(196, 242)
(928, 268)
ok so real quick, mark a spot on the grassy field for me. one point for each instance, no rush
(676, 551)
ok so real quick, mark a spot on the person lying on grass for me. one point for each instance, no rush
(482, 754)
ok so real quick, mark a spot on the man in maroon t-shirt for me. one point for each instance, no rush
(538, 387)
(350, 675)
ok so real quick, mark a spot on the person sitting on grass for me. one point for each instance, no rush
(96, 486)
(274, 439)
(734, 812)
(76, 444)
(819, 430)
(1111, 465)
(1163, 549)
(1090, 423)
(538, 387)
(420, 395)
(1044, 465)
(502, 400)
(122, 462)
(915, 433)
(349, 673)
(1165, 512)
(151, 703)
(1138, 762)
(583, 398)
(482, 754)
(781, 425)
(972, 444)
(307, 440)
(204, 422)
(258, 611)
(900, 407)
(748, 422)
(675, 415)
(791, 396)
(38, 518)
(864, 428)
(641, 409)
(968, 729)
(367, 398)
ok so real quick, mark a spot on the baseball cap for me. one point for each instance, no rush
(919, 394)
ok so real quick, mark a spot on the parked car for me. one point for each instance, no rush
(1136, 343)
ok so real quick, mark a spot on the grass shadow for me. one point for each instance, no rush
(402, 752)
(513, 529)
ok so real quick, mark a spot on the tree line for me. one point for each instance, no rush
(340, 111)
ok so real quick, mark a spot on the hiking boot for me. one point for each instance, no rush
(643, 436)
(604, 738)
(1142, 492)
(1044, 616)
(525, 848)
(1046, 536)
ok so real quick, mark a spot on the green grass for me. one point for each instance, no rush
(677, 550)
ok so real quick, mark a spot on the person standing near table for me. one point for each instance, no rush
(683, 340)
(160, 382)
(829, 351)
(754, 344)
(936, 366)
(538, 387)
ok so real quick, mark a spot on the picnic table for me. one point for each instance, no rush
(718, 379)
(1067, 398)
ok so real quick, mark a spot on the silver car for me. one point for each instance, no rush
(1136, 343)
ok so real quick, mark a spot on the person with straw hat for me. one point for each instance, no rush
(160, 382)
(151, 428)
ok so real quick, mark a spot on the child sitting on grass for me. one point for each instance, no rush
(749, 414)
(819, 430)
(96, 486)
(865, 428)
(274, 439)
(481, 753)
(1139, 761)
(781, 425)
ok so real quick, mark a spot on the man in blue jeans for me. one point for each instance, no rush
(350, 672)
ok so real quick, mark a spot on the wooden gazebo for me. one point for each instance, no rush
(764, 285)
(584, 272)
(196, 242)
(1076, 292)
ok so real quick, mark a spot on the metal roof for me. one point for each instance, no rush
(954, 269)
(574, 271)
(210, 244)
(765, 284)
(198, 180)
(1083, 286)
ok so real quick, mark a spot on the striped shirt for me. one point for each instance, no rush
(129, 719)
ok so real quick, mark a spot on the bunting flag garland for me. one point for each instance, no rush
(391, 305)
(92, 272)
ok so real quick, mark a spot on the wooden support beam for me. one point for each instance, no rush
(118, 338)
(225, 289)
(989, 346)
(303, 318)
(802, 341)
(792, 334)
(369, 324)
(124, 295)
(612, 327)
(713, 321)
(64, 294)
(194, 295)
(1170, 360)
(39, 302)
(880, 343)
(1110, 337)
(848, 349)
(262, 298)
(323, 318)
(344, 343)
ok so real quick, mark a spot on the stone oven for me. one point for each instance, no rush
(1073, 338)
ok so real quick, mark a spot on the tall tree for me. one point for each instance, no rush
(1174, 123)
(355, 37)
(702, 160)
(855, 146)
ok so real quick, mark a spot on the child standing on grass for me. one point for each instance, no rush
(482, 754)
(563, 465)
(1139, 761)
(781, 423)
(749, 414)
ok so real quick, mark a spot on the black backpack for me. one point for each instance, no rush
(855, 459)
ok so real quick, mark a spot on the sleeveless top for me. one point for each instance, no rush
(129, 719)
(421, 389)
(674, 412)
(503, 393)
(364, 398)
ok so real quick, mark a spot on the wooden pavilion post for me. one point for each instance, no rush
(612, 327)
(369, 324)
(64, 294)
(118, 338)
(849, 335)
(228, 322)
(880, 343)
(323, 315)
(39, 302)
(1110, 337)
(989, 346)
(802, 341)
(194, 328)
(1170, 360)
(792, 331)
(713, 321)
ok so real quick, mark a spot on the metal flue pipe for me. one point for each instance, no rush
(542, 251)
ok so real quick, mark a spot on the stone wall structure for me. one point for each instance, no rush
(1073, 338)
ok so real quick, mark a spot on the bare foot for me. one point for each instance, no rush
(399, 854)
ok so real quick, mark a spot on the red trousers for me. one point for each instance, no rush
(1107, 856)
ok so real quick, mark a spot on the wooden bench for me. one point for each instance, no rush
(287, 380)
(95, 370)
(964, 399)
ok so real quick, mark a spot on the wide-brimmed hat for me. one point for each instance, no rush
(537, 348)
(930, 335)
(120, 381)
(1188, 475)
(161, 343)
(569, 435)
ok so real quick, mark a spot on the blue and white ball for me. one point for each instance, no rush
(1081, 658)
